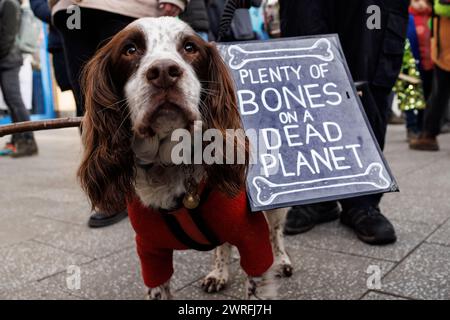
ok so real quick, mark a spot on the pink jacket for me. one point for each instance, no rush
(130, 8)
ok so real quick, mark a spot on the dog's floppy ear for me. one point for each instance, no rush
(222, 113)
(107, 169)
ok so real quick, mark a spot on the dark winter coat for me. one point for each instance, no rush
(196, 16)
(373, 55)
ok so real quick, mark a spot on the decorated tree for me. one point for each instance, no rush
(409, 86)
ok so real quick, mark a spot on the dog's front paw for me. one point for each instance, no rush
(283, 266)
(284, 270)
(215, 281)
(160, 293)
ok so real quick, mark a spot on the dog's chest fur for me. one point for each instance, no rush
(160, 186)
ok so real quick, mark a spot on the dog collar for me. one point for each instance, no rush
(176, 228)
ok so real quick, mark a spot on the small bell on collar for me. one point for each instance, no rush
(191, 200)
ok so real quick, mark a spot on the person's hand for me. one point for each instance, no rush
(169, 9)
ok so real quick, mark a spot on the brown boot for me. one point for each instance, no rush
(425, 142)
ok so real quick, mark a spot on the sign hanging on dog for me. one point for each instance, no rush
(310, 138)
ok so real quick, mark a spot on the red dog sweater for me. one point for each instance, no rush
(222, 219)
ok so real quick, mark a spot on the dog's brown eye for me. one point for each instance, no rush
(190, 47)
(129, 50)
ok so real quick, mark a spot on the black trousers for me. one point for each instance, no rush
(438, 102)
(60, 69)
(427, 82)
(377, 103)
(10, 85)
(80, 45)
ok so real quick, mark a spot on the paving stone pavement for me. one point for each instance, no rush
(43, 235)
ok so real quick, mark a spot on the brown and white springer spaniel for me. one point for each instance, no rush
(153, 77)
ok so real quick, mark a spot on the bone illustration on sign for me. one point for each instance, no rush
(321, 49)
(268, 191)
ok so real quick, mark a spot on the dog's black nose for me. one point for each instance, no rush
(164, 73)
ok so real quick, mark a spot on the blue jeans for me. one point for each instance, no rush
(414, 120)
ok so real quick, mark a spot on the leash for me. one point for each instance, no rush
(27, 126)
(195, 214)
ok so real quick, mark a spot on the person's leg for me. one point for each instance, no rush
(411, 123)
(376, 104)
(427, 81)
(60, 69)
(372, 226)
(302, 18)
(106, 25)
(438, 104)
(437, 107)
(9, 147)
(446, 123)
(9, 81)
(362, 214)
(419, 117)
(80, 46)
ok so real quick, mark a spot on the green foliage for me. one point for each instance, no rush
(409, 89)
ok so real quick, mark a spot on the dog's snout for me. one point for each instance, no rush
(164, 73)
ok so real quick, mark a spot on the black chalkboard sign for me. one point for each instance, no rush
(310, 138)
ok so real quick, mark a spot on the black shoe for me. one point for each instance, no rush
(303, 218)
(25, 148)
(101, 219)
(370, 225)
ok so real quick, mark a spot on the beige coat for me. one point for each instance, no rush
(442, 58)
(130, 8)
